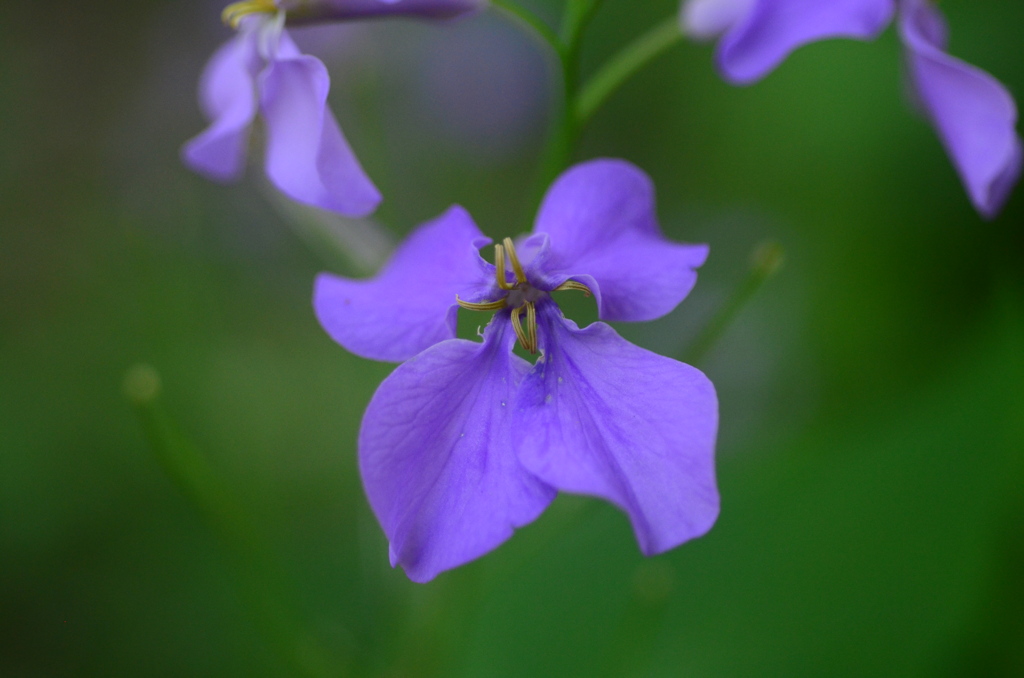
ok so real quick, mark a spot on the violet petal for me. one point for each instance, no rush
(707, 19)
(603, 417)
(410, 305)
(307, 156)
(436, 457)
(974, 115)
(603, 232)
(227, 93)
(774, 28)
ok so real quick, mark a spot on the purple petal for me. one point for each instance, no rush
(774, 28)
(603, 417)
(327, 10)
(410, 305)
(707, 19)
(435, 452)
(973, 113)
(603, 232)
(307, 156)
(227, 93)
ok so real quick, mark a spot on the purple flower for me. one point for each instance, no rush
(262, 71)
(303, 11)
(466, 441)
(972, 112)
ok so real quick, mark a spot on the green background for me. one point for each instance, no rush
(872, 393)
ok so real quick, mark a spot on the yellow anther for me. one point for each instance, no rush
(235, 12)
(517, 325)
(483, 305)
(531, 326)
(572, 285)
(517, 267)
(499, 268)
(527, 335)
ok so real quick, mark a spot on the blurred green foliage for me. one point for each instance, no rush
(872, 401)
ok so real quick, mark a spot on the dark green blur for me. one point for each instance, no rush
(871, 455)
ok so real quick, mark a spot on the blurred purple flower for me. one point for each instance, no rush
(465, 441)
(972, 112)
(262, 71)
(304, 11)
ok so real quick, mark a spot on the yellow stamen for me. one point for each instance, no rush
(527, 335)
(482, 306)
(499, 268)
(235, 12)
(517, 267)
(572, 285)
(517, 325)
(531, 326)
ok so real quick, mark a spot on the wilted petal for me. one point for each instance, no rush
(603, 417)
(227, 93)
(307, 156)
(435, 452)
(774, 28)
(410, 305)
(707, 19)
(604, 233)
(973, 113)
(307, 11)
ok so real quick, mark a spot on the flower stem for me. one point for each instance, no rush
(261, 577)
(564, 131)
(536, 25)
(577, 105)
(765, 263)
(623, 66)
(557, 152)
(578, 14)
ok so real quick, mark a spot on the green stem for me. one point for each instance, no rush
(557, 152)
(564, 131)
(540, 29)
(765, 263)
(185, 465)
(623, 66)
(577, 105)
(344, 245)
(578, 14)
(263, 581)
(558, 147)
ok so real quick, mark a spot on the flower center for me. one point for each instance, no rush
(235, 12)
(521, 297)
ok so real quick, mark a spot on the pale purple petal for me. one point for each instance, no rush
(410, 305)
(973, 113)
(307, 157)
(774, 28)
(436, 457)
(603, 232)
(603, 417)
(227, 94)
(707, 19)
(308, 11)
